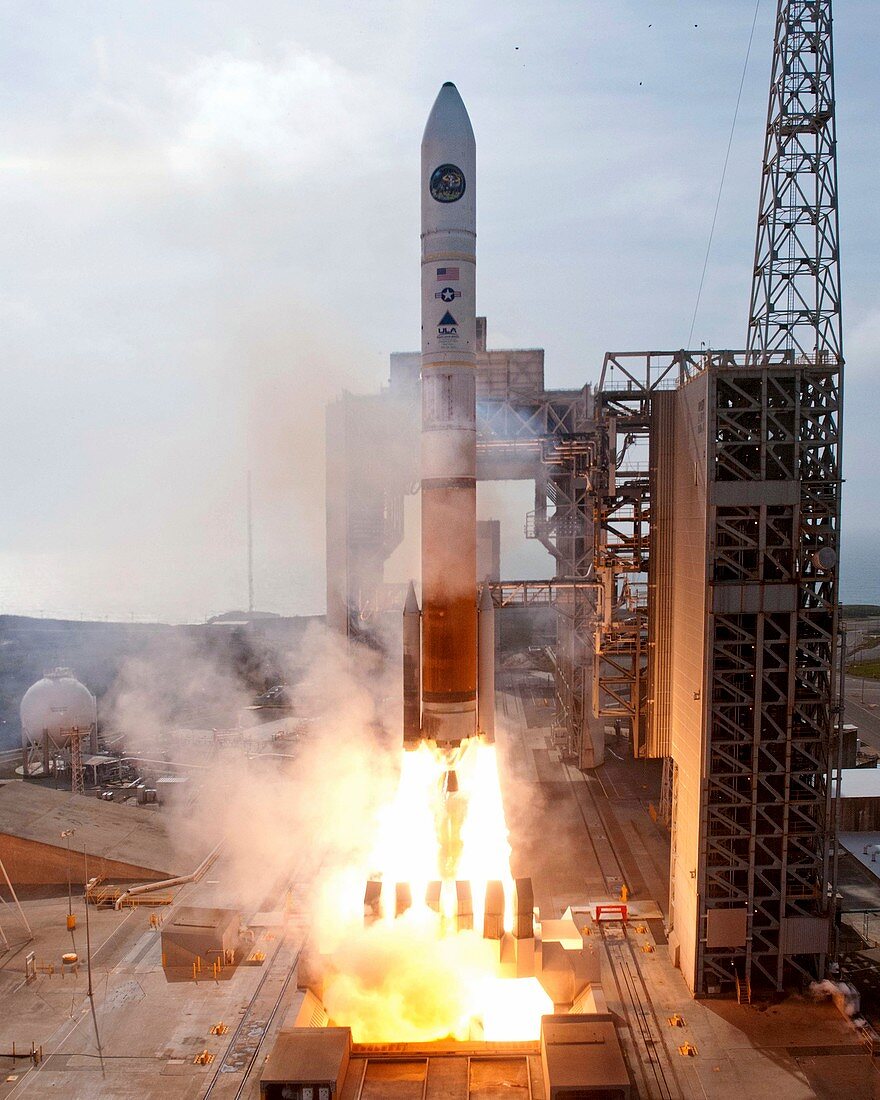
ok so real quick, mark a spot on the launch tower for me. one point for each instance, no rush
(692, 504)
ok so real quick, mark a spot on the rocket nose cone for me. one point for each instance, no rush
(448, 117)
(411, 607)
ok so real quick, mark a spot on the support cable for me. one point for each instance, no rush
(742, 82)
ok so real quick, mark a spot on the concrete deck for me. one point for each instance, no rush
(150, 1029)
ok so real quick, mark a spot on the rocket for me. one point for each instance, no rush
(445, 650)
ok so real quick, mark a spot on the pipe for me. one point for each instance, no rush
(167, 883)
(162, 763)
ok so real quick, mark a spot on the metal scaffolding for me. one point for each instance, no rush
(625, 501)
(562, 521)
(767, 822)
(770, 495)
(767, 819)
(77, 776)
(795, 302)
(559, 429)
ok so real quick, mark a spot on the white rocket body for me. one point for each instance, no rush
(449, 451)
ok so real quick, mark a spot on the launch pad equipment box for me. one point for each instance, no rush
(200, 933)
(582, 1058)
(307, 1063)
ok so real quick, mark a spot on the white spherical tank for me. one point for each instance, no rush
(57, 703)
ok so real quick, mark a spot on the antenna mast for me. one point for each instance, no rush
(250, 546)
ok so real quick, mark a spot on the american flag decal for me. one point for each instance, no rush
(447, 274)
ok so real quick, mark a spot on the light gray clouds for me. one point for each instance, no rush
(210, 219)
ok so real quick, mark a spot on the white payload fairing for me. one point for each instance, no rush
(448, 657)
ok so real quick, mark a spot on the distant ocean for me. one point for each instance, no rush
(860, 567)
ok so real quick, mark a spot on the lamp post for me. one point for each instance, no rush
(91, 994)
(88, 941)
(71, 919)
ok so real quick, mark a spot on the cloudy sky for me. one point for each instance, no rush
(210, 219)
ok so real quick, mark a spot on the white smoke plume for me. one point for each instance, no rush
(311, 814)
(282, 811)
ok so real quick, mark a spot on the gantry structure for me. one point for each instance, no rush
(774, 724)
(524, 432)
(691, 503)
(719, 496)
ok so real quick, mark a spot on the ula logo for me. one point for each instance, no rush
(448, 325)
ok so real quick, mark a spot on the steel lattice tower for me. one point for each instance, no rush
(796, 290)
(767, 821)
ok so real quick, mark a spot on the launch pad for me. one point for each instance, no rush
(596, 835)
(574, 1053)
(666, 768)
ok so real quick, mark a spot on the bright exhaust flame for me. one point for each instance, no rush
(415, 976)
(431, 832)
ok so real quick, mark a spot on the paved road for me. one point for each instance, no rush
(863, 708)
